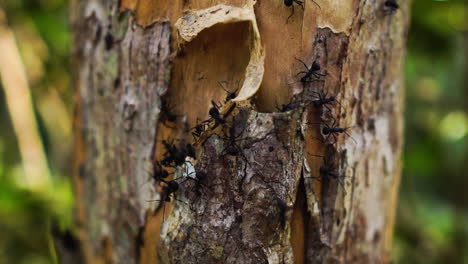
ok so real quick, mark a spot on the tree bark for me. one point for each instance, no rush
(259, 193)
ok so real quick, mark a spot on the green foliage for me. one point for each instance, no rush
(432, 214)
(42, 32)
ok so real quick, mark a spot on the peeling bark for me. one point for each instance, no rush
(256, 193)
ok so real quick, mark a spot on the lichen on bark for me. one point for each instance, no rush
(240, 211)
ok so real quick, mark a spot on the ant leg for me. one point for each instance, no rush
(225, 149)
(338, 102)
(314, 155)
(316, 4)
(195, 136)
(335, 139)
(318, 75)
(301, 3)
(328, 137)
(215, 105)
(292, 13)
(229, 110)
(341, 183)
(318, 178)
(321, 140)
(327, 107)
(243, 156)
(227, 91)
(303, 63)
(175, 198)
(314, 123)
(222, 86)
(317, 94)
(302, 72)
(216, 124)
(350, 137)
(334, 123)
(163, 206)
(168, 126)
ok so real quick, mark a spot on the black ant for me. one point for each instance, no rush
(216, 116)
(230, 95)
(167, 114)
(287, 107)
(321, 99)
(198, 129)
(282, 206)
(170, 187)
(333, 130)
(170, 156)
(201, 176)
(175, 156)
(158, 172)
(190, 151)
(290, 3)
(391, 5)
(311, 72)
(233, 148)
(329, 171)
(168, 190)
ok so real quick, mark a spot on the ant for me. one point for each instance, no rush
(216, 116)
(168, 189)
(333, 130)
(391, 5)
(176, 156)
(287, 107)
(311, 72)
(328, 170)
(323, 100)
(158, 172)
(170, 156)
(198, 129)
(233, 147)
(167, 114)
(230, 95)
(290, 3)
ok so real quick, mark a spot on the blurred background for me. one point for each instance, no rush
(35, 145)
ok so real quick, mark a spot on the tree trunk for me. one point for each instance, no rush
(259, 190)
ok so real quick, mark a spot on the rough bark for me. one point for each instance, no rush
(264, 201)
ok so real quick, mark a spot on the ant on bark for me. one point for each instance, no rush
(230, 95)
(199, 129)
(175, 156)
(311, 72)
(290, 3)
(216, 116)
(329, 170)
(333, 131)
(170, 187)
(166, 192)
(322, 99)
(233, 148)
(166, 113)
(287, 107)
(158, 172)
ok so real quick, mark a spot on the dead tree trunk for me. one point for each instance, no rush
(274, 180)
